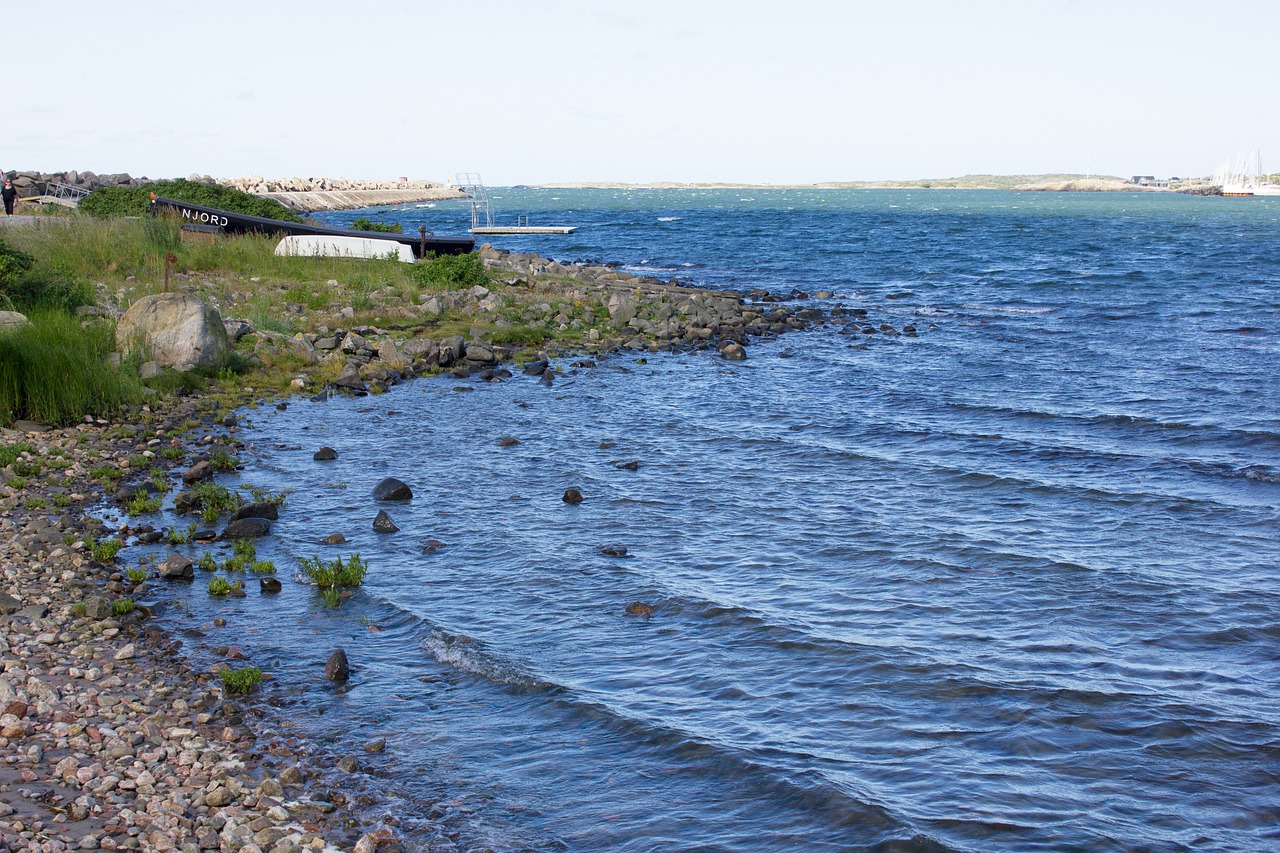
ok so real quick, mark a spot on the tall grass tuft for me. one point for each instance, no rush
(55, 370)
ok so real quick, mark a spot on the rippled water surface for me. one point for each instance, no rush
(1008, 585)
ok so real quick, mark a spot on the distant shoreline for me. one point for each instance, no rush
(1021, 183)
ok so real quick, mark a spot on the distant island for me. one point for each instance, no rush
(1052, 182)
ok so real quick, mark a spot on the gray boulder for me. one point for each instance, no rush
(12, 320)
(177, 567)
(177, 329)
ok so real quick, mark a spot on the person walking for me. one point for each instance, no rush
(10, 195)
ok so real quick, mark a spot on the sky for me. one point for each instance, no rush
(546, 91)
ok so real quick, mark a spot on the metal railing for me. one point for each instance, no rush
(64, 193)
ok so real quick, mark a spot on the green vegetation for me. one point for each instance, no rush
(55, 370)
(243, 554)
(143, 504)
(221, 460)
(105, 550)
(450, 272)
(241, 681)
(364, 223)
(174, 536)
(123, 606)
(215, 500)
(221, 586)
(136, 201)
(25, 283)
(334, 576)
(136, 576)
(10, 453)
(207, 563)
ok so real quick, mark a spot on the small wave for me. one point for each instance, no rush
(468, 654)
(1009, 309)
(670, 218)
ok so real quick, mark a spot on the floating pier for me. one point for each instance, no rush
(524, 229)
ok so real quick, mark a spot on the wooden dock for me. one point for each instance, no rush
(524, 229)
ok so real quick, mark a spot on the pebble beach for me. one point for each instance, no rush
(108, 740)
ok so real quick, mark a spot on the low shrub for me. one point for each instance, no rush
(450, 272)
(136, 201)
(143, 504)
(364, 223)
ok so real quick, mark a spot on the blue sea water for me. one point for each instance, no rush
(1010, 585)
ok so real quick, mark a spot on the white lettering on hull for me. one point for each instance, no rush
(204, 218)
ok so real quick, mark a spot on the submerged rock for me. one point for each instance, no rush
(324, 454)
(247, 528)
(573, 496)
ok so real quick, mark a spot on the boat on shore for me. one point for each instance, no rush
(242, 223)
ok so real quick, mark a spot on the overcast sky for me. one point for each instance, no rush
(535, 91)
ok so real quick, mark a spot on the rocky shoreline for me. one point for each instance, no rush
(108, 739)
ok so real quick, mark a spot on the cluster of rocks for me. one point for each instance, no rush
(29, 183)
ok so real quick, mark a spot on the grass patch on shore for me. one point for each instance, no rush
(240, 681)
(55, 370)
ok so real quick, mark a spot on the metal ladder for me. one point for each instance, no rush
(470, 183)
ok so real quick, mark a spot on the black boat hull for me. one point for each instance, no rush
(242, 223)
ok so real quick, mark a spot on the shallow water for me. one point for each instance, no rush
(1008, 585)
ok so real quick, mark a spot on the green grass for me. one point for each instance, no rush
(215, 500)
(174, 536)
(136, 576)
(241, 681)
(10, 453)
(207, 563)
(143, 504)
(334, 576)
(221, 586)
(54, 370)
(123, 606)
(105, 550)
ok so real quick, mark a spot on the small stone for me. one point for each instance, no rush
(375, 746)
(613, 551)
(324, 454)
(639, 608)
(633, 465)
(573, 496)
(508, 441)
(128, 652)
(348, 764)
(269, 585)
(334, 539)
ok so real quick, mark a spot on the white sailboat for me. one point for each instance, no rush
(1243, 177)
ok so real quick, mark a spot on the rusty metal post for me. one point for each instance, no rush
(169, 257)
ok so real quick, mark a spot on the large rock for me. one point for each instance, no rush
(246, 528)
(177, 567)
(12, 320)
(392, 489)
(177, 329)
